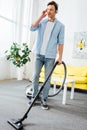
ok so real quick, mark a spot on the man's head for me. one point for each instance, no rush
(54, 4)
(52, 9)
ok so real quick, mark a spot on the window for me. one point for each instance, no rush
(14, 22)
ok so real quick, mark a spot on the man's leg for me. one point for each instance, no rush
(38, 63)
(48, 67)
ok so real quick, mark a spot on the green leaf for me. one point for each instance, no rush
(18, 54)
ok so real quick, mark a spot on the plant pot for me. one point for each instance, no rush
(20, 73)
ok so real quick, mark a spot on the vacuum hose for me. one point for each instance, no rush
(63, 82)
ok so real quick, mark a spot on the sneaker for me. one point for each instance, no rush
(44, 105)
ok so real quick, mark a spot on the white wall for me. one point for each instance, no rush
(74, 16)
(4, 68)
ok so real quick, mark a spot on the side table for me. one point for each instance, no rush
(65, 88)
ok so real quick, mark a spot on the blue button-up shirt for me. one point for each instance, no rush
(56, 37)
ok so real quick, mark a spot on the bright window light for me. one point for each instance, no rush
(10, 22)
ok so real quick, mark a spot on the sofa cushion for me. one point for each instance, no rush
(78, 79)
(58, 69)
(77, 70)
(71, 70)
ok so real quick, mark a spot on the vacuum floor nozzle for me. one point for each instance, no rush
(17, 125)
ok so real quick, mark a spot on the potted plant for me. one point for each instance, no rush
(18, 54)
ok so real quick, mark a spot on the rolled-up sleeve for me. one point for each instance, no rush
(34, 28)
(61, 35)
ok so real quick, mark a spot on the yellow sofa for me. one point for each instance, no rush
(76, 73)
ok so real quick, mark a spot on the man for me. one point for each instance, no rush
(48, 48)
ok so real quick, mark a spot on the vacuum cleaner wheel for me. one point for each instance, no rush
(29, 92)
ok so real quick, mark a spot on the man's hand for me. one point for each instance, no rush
(59, 60)
(44, 13)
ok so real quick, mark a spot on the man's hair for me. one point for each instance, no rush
(53, 3)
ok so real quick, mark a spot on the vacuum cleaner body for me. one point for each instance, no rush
(29, 92)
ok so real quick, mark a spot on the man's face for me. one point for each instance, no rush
(51, 11)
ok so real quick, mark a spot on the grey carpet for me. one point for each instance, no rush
(14, 103)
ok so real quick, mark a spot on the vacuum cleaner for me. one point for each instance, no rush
(17, 124)
(29, 89)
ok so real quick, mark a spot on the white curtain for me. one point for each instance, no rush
(15, 19)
